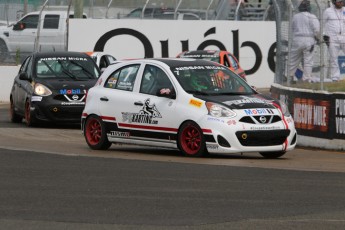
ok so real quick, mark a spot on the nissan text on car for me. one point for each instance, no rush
(196, 106)
(221, 56)
(51, 87)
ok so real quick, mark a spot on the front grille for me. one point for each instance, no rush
(262, 138)
(67, 112)
(269, 119)
(69, 97)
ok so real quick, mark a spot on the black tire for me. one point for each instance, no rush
(191, 140)
(94, 133)
(272, 155)
(30, 120)
(14, 117)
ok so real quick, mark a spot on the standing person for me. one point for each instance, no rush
(334, 35)
(305, 32)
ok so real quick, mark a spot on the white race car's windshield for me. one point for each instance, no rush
(75, 68)
(210, 80)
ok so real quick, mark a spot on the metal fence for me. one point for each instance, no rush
(285, 10)
(12, 10)
(280, 11)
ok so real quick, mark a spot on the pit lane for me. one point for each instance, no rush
(68, 140)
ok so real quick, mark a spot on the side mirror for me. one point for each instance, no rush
(166, 92)
(24, 76)
(19, 26)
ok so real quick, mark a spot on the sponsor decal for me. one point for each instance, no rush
(258, 111)
(199, 67)
(200, 56)
(264, 127)
(145, 115)
(231, 122)
(289, 120)
(36, 98)
(215, 119)
(70, 91)
(118, 134)
(246, 100)
(214, 147)
(340, 116)
(73, 103)
(62, 59)
(311, 114)
(195, 103)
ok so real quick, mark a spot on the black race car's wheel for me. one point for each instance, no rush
(191, 140)
(30, 120)
(272, 155)
(95, 134)
(14, 117)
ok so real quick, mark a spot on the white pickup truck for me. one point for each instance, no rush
(22, 36)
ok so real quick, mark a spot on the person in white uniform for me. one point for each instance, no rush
(334, 35)
(305, 32)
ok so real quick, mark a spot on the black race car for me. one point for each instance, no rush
(52, 86)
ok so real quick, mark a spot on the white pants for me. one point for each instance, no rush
(301, 48)
(337, 44)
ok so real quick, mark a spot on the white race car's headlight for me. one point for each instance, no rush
(284, 108)
(217, 110)
(42, 90)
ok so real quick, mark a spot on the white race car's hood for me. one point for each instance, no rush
(241, 101)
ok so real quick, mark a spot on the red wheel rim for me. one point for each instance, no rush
(191, 140)
(27, 112)
(93, 131)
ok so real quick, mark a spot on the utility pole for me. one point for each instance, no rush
(25, 7)
(78, 8)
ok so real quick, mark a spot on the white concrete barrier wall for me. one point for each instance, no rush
(7, 75)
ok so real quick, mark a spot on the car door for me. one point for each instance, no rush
(52, 29)
(135, 108)
(23, 35)
(21, 88)
(118, 92)
(157, 102)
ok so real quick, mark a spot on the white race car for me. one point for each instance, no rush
(196, 106)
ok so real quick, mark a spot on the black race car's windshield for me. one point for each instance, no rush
(75, 68)
(210, 80)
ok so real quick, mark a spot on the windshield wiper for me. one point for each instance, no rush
(50, 68)
(65, 71)
(90, 75)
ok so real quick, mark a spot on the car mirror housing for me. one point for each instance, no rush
(24, 76)
(19, 26)
(166, 92)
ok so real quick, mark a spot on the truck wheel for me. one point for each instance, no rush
(3, 51)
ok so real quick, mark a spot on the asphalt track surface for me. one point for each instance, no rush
(50, 179)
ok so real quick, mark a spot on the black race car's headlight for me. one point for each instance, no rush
(42, 90)
(217, 110)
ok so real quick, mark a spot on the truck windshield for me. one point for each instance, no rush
(76, 68)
